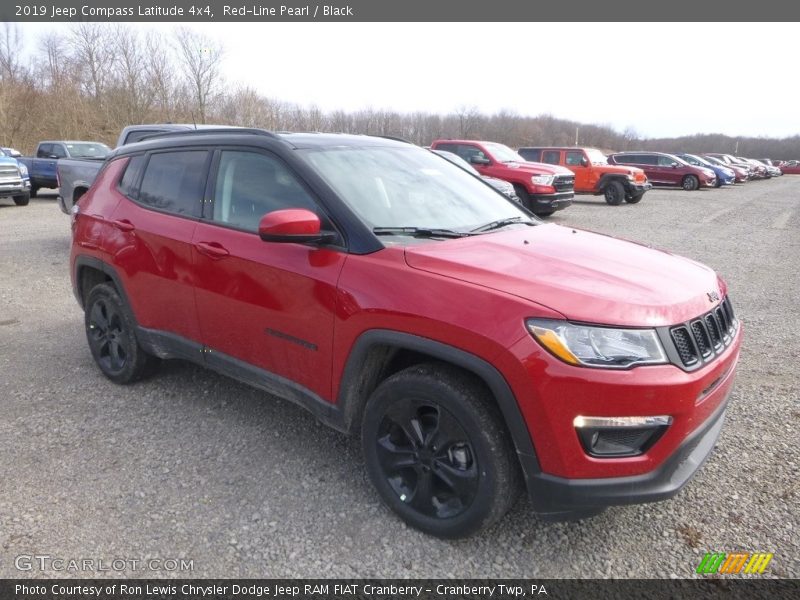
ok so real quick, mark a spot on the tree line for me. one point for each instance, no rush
(90, 80)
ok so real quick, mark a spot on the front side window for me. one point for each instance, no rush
(667, 161)
(409, 187)
(251, 184)
(574, 159)
(503, 153)
(45, 150)
(175, 181)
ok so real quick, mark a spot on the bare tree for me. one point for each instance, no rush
(200, 58)
(10, 51)
(93, 51)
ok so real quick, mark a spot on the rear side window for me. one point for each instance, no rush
(251, 184)
(175, 182)
(128, 185)
(448, 147)
(551, 157)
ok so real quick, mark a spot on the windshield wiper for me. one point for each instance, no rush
(502, 223)
(422, 232)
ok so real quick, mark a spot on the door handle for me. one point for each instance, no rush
(213, 250)
(123, 225)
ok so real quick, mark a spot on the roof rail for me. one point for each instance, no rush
(210, 130)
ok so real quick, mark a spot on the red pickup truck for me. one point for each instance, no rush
(542, 189)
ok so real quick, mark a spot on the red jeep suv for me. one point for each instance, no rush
(392, 294)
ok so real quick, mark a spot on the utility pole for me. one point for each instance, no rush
(736, 151)
(577, 128)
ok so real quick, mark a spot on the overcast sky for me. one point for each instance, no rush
(662, 79)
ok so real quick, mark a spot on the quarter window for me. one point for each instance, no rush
(128, 185)
(250, 184)
(175, 181)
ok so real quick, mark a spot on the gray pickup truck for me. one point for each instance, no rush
(75, 175)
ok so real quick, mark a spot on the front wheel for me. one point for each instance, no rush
(22, 199)
(634, 198)
(437, 452)
(614, 193)
(34, 191)
(690, 183)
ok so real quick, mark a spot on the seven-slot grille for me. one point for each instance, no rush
(9, 172)
(564, 183)
(701, 338)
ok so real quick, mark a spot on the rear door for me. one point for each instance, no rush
(270, 305)
(150, 237)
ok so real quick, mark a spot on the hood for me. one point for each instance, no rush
(584, 276)
(638, 174)
(536, 168)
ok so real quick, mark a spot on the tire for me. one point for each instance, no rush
(634, 198)
(524, 197)
(718, 184)
(22, 199)
(545, 214)
(111, 333)
(690, 183)
(34, 191)
(437, 452)
(614, 193)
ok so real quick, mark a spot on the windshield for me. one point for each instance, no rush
(88, 150)
(697, 160)
(596, 157)
(503, 153)
(410, 187)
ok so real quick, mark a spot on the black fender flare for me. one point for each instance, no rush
(607, 178)
(351, 402)
(92, 262)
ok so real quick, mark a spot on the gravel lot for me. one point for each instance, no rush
(192, 465)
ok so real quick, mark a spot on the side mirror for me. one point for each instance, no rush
(675, 165)
(53, 156)
(584, 162)
(479, 160)
(294, 225)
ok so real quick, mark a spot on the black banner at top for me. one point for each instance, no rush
(678, 11)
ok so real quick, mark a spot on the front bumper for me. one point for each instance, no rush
(635, 189)
(550, 202)
(555, 495)
(14, 188)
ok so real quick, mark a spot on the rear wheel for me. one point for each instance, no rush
(614, 193)
(22, 199)
(111, 334)
(437, 452)
(690, 183)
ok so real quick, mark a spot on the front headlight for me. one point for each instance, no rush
(593, 346)
(23, 170)
(542, 179)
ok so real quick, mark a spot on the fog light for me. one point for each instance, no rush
(615, 437)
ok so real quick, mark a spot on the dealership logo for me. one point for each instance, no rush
(734, 562)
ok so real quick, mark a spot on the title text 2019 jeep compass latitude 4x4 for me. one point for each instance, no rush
(392, 294)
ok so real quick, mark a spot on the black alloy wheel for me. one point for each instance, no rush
(437, 451)
(614, 193)
(427, 459)
(110, 332)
